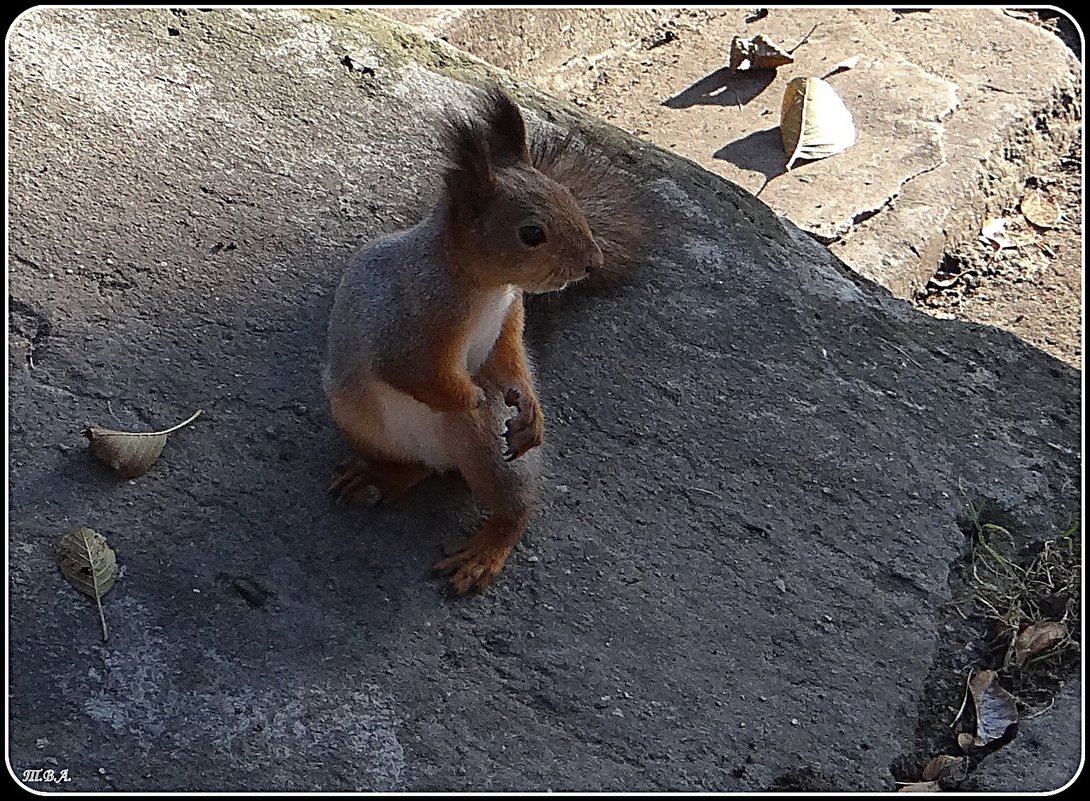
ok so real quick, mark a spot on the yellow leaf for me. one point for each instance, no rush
(1040, 211)
(814, 122)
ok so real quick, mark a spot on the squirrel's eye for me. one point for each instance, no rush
(531, 235)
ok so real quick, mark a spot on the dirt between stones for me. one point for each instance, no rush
(1032, 289)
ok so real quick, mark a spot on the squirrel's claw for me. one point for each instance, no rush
(526, 429)
(351, 479)
(374, 483)
(472, 569)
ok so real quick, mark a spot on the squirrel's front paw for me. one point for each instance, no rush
(526, 429)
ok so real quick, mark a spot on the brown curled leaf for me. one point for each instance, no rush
(1036, 639)
(758, 53)
(944, 766)
(130, 453)
(89, 564)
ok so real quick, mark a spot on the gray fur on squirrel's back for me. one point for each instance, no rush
(382, 304)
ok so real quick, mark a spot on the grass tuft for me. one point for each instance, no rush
(1016, 588)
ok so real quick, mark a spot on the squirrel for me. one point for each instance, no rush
(426, 358)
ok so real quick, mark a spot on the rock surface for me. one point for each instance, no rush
(755, 455)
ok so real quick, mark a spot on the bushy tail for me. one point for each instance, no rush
(606, 197)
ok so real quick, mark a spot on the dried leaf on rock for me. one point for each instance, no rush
(843, 66)
(814, 122)
(758, 53)
(89, 564)
(1039, 210)
(130, 454)
(993, 234)
(920, 787)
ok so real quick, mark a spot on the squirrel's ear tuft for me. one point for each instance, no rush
(505, 129)
(493, 137)
(466, 150)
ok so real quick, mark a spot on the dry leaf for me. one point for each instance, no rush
(1037, 638)
(814, 122)
(847, 64)
(1039, 210)
(130, 454)
(992, 234)
(843, 66)
(943, 767)
(89, 564)
(944, 280)
(758, 53)
(920, 787)
(996, 710)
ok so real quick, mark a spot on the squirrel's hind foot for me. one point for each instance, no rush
(373, 482)
(473, 568)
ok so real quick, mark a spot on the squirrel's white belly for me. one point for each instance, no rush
(483, 337)
(408, 430)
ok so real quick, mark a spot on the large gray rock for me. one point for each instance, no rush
(750, 514)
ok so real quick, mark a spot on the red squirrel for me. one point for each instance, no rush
(425, 348)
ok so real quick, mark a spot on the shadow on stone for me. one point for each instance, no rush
(760, 151)
(724, 87)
